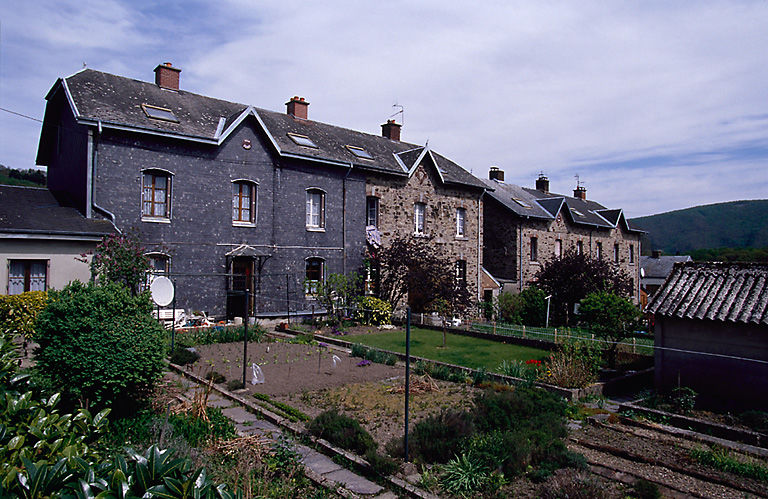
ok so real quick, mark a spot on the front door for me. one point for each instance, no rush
(242, 279)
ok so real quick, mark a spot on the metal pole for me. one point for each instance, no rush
(407, 374)
(547, 323)
(287, 299)
(245, 335)
(173, 318)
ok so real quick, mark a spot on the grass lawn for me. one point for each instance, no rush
(461, 350)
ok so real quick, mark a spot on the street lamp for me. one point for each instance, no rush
(546, 325)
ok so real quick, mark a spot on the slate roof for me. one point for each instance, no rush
(547, 205)
(661, 266)
(726, 292)
(116, 101)
(34, 211)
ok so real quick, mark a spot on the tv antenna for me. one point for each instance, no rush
(578, 182)
(401, 112)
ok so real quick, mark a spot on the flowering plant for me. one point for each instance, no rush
(363, 363)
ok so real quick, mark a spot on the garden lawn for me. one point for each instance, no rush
(460, 350)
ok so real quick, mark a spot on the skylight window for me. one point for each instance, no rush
(577, 212)
(359, 152)
(159, 113)
(521, 203)
(302, 140)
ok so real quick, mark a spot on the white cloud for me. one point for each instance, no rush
(556, 86)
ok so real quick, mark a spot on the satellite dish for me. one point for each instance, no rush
(162, 291)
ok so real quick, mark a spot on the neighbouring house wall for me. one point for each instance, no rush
(721, 382)
(66, 151)
(200, 231)
(397, 198)
(503, 260)
(64, 259)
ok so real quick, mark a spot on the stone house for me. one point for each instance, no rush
(711, 333)
(41, 242)
(524, 227)
(228, 197)
(656, 268)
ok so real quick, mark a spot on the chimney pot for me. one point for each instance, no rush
(580, 192)
(297, 107)
(496, 173)
(391, 130)
(166, 76)
(542, 183)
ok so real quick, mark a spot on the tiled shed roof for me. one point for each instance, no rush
(728, 292)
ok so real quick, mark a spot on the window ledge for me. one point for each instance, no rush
(243, 224)
(315, 229)
(534, 262)
(156, 220)
(420, 234)
(462, 238)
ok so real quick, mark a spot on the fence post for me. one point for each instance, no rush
(634, 345)
(555, 335)
(523, 331)
(494, 327)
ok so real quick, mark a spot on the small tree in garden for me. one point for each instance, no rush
(120, 258)
(610, 317)
(528, 307)
(573, 276)
(337, 292)
(411, 266)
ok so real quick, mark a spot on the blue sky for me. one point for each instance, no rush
(655, 105)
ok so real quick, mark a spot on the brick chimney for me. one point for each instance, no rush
(542, 183)
(166, 76)
(580, 192)
(391, 130)
(297, 107)
(496, 174)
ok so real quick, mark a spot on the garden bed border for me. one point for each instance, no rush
(328, 448)
(700, 426)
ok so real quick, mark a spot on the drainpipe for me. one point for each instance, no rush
(344, 221)
(520, 254)
(93, 161)
(479, 243)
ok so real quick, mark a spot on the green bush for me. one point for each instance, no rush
(463, 475)
(99, 345)
(184, 356)
(505, 450)
(219, 334)
(438, 438)
(197, 431)
(18, 312)
(235, 384)
(643, 489)
(524, 408)
(683, 399)
(289, 412)
(342, 430)
(381, 464)
(372, 311)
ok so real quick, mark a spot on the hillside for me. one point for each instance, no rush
(30, 177)
(737, 224)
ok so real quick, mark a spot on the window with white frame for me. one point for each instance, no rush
(156, 194)
(558, 248)
(27, 275)
(419, 214)
(579, 248)
(461, 273)
(534, 249)
(159, 263)
(599, 250)
(313, 276)
(461, 216)
(243, 202)
(315, 209)
(372, 211)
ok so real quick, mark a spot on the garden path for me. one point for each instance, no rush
(319, 466)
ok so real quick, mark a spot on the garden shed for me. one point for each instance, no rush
(711, 333)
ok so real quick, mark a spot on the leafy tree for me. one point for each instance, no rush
(573, 276)
(528, 307)
(99, 345)
(121, 258)
(610, 317)
(336, 293)
(411, 266)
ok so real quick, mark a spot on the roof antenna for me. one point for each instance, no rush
(578, 182)
(84, 65)
(401, 112)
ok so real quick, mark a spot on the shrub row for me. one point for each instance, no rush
(219, 334)
(373, 355)
(18, 312)
(290, 412)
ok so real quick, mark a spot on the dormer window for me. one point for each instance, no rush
(159, 113)
(302, 140)
(359, 152)
(522, 203)
(577, 212)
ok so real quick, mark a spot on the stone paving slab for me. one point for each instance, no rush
(387, 495)
(320, 463)
(219, 402)
(354, 483)
(239, 415)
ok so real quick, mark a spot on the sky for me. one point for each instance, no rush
(656, 106)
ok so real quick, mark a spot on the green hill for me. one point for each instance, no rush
(30, 177)
(737, 224)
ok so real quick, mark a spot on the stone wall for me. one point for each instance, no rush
(397, 199)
